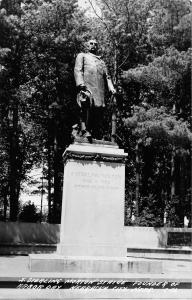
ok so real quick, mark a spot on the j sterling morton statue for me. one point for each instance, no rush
(91, 78)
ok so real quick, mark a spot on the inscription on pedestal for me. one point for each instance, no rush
(96, 180)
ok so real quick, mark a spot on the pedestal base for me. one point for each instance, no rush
(91, 264)
(100, 249)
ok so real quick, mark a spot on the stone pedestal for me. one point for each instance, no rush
(93, 201)
(92, 225)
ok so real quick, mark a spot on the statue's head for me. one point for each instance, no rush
(92, 46)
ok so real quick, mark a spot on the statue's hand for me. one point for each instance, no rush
(113, 91)
(81, 88)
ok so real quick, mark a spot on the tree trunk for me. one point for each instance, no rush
(42, 191)
(173, 173)
(49, 181)
(113, 121)
(13, 7)
(14, 176)
(137, 180)
(56, 203)
(5, 202)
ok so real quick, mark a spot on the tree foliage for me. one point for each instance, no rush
(29, 213)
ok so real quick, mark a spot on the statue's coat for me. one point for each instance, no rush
(90, 70)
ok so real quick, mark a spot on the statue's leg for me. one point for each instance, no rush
(83, 126)
(97, 116)
(85, 118)
(89, 118)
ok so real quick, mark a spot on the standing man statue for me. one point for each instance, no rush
(91, 78)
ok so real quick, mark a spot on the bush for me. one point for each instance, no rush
(148, 219)
(29, 213)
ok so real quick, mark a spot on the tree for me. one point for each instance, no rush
(37, 89)
(164, 81)
(169, 25)
(161, 140)
(11, 46)
(29, 213)
(122, 30)
(54, 33)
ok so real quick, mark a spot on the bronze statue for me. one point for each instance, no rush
(91, 77)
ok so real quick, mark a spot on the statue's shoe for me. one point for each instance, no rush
(86, 134)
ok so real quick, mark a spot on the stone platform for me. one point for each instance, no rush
(161, 253)
(90, 261)
(17, 282)
(59, 263)
(92, 236)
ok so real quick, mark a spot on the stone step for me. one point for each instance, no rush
(91, 264)
(18, 282)
(26, 248)
(161, 253)
(15, 267)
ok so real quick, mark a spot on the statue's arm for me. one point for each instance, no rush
(109, 81)
(78, 70)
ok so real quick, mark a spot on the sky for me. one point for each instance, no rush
(85, 4)
(27, 193)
